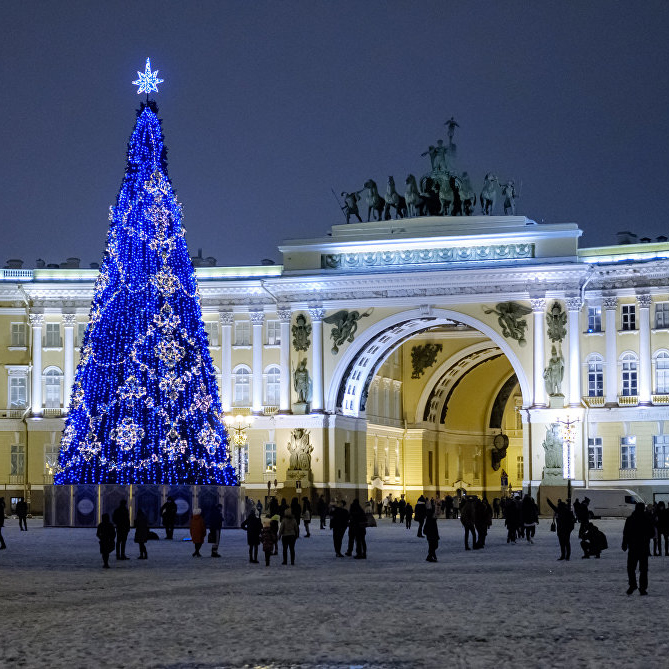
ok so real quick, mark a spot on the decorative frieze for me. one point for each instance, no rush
(388, 259)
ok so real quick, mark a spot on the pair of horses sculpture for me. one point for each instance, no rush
(440, 194)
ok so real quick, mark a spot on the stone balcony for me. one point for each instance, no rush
(596, 474)
(627, 473)
(660, 399)
(594, 401)
(628, 400)
(662, 473)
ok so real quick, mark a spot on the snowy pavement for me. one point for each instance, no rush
(505, 606)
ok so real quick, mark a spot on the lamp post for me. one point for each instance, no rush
(238, 427)
(568, 430)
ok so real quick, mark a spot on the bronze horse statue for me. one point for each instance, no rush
(416, 201)
(395, 200)
(489, 194)
(374, 201)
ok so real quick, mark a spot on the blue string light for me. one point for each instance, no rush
(144, 404)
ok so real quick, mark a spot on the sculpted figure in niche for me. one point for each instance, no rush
(302, 382)
(301, 333)
(556, 321)
(554, 373)
(553, 447)
(510, 318)
(345, 326)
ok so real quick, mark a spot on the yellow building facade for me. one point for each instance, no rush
(442, 355)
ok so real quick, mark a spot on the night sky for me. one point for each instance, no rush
(266, 106)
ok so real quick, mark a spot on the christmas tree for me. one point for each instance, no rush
(144, 405)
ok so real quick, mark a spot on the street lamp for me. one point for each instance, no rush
(568, 431)
(237, 427)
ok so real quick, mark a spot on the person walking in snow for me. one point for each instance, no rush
(198, 531)
(253, 528)
(530, 517)
(215, 523)
(663, 526)
(168, 514)
(431, 532)
(637, 533)
(338, 525)
(408, 515)
(2, 522)
(358, 523)
(141, 533)
(419, 514)
(22, 513)
(268, 540)
(564, 525)
(467, 517)
(288, 535)
(511, 520)
(306, 515)
(121, 519)
(106, 534)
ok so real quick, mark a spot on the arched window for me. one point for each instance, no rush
(53, 387)
(662, 373)
(241, 377)
(629, 374)
(595, 375)
(272, 385)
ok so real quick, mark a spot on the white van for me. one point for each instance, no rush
(617, 502)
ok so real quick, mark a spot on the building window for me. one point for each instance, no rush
(662, 373)
(270, 457)
(662, 315)
(273, 333)
(595, 453)
(594, 319)
(51, 452)
(347, 461)
(519, 468)
(661, 452)
(242, 333)
(17, 460)
(81, 331)
(242, 389)
(595, 376)
(18, 334)
(272, 386)
(629, 317)
(53, 383)
(18, 392)
(211, 328)
(629, 379)
(628, 453)
(52, 338)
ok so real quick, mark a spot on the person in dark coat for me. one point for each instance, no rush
(268, 540)
(215, 524)
(408, 515)
(22, 513)
(663, 526)
(402, 507)
(3, 545)
(322, 509)
(637, 533)
(338, 525)
(168, 514)
(142, 533)
(496, 507)
(431, 532)
(253, 528)
(564, 526)
(529, 516)
(296, 510)
(121, 519)
(288, 532)
(106, 534)
(511, 520)
(358, 523)
(394, 508)
(482, 521)
(419, 514)
(467, 518)
(593, 542)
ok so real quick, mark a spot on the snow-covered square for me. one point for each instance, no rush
(505, 606)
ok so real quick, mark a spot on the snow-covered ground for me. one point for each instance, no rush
(508, 605)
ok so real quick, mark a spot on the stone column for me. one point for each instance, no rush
(69, 321)
(227, 319)
(257, 319)
(538, 311)
(645, 382)
(611, 382)
(317, 315)
(285, 316)
(573, 311)
(36, 323)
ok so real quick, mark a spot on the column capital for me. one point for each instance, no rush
(574, 303)
(226, 317)
(538, 304)
(69, 320)
(317, 313)
(36, 320)
(285, 314)
(257, 317)
(610, 302)
(645, 300)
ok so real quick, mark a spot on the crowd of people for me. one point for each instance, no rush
(282, 522)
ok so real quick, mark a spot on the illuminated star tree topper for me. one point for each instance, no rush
(147, 80)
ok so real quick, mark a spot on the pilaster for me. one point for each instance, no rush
(227, 319)
(285, 315)
(573, 310)
(317, 314)
(610, 304)
(645, 381)
(257, 320)
(538, 313)
(36, 323)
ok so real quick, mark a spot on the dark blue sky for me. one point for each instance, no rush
(267, 105)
